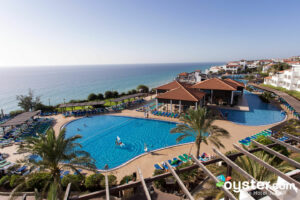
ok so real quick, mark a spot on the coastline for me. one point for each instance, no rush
(79, 82)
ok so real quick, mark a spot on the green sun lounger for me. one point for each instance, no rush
(187, 157)
(5, 164)
(3, 161)
(182, 159)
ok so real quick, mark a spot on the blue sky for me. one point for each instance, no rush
(37, 32)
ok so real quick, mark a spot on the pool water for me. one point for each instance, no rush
(99, 134)
(260, 113)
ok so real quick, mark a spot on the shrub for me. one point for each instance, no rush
(126, 179)
(76, 181)
(142, 88)
(5, 180)
(38, 181)
(159, 184)
(92, 182)
(265, 141)
(112, 181)
(15, 180)
(45, 108)
(15, 112)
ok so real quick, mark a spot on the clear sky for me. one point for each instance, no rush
(62, 32)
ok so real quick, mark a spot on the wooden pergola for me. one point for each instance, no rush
(228, 159)
(20, 119)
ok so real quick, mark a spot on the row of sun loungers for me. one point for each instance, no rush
(290, 108)
(165, 114)
(177, 161)
(4, 164)
(247, 141)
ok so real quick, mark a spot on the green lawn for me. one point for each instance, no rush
(293, 93)
(107, 104)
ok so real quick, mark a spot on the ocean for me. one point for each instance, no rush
(57, 83)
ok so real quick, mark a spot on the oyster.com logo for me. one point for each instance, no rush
(223, 180)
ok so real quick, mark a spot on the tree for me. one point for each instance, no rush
(266, 97)
(115, 94)
(133, 91)
(198, 123)
(28, 102)
(100, 96)
(142, 88)
(92, 97)
(56, 153)
(108, 94)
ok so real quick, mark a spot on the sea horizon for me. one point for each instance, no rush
(59, 83)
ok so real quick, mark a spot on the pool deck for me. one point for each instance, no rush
(147, 161)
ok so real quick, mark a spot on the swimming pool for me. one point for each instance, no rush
(99, 134)
(260, 113)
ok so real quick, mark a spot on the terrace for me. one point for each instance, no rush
(226, 160)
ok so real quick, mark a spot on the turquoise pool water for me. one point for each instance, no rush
(260, 113)
(99, 134)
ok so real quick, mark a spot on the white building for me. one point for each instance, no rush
(267, 67)
(192, 77)
(288, 79)
(216, 69)
(253, 64)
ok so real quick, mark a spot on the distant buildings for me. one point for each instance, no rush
(288, 79)
(192, 77)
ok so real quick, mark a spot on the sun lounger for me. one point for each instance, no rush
(244, 142)
(203, 159)
(26, 173)
(5, 164)
(64, 173)
(158, 167)
(172, 115)
(172, 163)
(175, 160)
(165, 165)
(187, 157)
(176, 115)
(3, 161)
(182, 158)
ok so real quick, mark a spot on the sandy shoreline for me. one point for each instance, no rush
(146, 162)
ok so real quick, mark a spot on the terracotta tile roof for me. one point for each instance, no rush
(183, 74)
(169, 86)
(215, 84)
(268, 77)
(184, 94)
(235, 82)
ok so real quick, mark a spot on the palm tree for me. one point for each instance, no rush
(56, 153)
(198, 123)
(252, 167)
